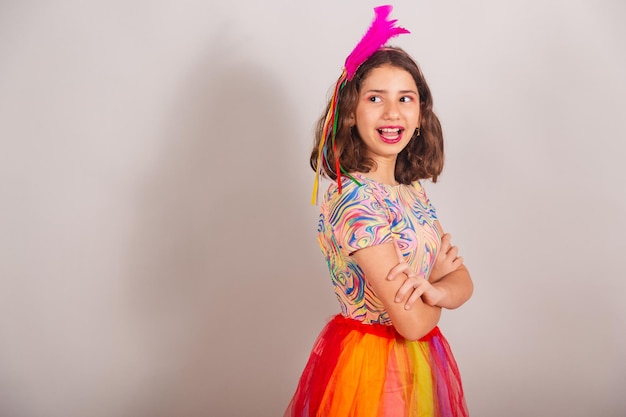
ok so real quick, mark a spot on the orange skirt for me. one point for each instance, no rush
(369, 370)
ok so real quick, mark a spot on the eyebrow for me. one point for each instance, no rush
(385, 91)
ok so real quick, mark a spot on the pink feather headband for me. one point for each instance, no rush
(380, 31)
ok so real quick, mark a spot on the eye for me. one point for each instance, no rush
(406, 99)
(375, 99)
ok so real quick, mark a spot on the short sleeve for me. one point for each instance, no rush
(359, 219)
(428, 205)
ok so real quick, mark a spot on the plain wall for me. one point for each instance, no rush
(158, 251)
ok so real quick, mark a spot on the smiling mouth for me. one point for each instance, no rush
(390, 134)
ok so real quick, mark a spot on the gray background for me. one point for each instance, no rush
(158, 254)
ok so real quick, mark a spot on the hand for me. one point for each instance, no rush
(415, 286)
(447, 259)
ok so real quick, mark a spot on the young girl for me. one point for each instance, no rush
(392, 266)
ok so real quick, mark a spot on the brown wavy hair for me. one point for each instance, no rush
(423, 156)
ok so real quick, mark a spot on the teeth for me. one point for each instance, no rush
(389, 130)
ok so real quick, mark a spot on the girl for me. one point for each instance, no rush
(392, 266)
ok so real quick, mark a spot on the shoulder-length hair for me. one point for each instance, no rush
(423, 156)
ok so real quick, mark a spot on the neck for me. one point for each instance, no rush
(384, 171)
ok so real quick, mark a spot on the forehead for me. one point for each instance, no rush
(388, 77)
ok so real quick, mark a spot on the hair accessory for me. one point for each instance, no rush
(380, 31)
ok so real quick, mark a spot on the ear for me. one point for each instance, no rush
(352, 120)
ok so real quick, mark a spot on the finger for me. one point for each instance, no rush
(445, 243)
(457, 262)
(417, 293)
(453, 252)
(405, 289)
(399, 269)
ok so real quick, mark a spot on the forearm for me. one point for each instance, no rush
(427, 318)
(457, 287)
(412, 323)
(416, 322)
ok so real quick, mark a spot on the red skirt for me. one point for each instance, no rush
(369, 370)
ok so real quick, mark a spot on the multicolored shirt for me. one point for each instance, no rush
(370, 214)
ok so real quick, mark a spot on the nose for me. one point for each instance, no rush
(391, 110)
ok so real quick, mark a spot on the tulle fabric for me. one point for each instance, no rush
(369, 370)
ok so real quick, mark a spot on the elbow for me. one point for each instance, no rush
(469, 291)
(417, 328)
(414, 335)
(411, 337)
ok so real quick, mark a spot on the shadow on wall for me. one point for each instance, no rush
(218, 236)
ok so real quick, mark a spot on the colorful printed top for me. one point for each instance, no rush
(368, 215)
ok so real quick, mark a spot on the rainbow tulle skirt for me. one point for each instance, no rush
(369, 370)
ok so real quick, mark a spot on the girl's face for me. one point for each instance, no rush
(387, 111)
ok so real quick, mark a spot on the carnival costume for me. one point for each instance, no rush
(360, 366)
